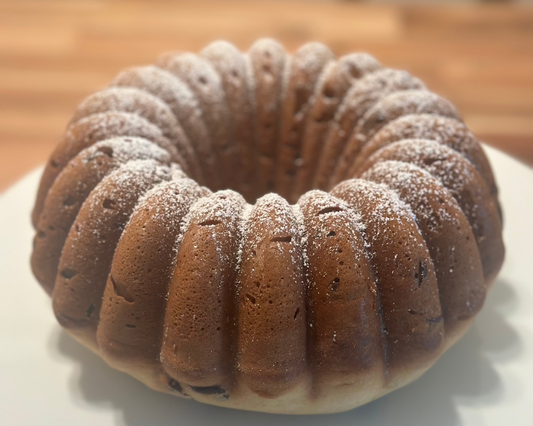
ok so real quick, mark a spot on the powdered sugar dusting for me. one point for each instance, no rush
(321, 212)
(412, 102)
(384, 203)
(388, 109)
(115, 123)
(199, 74)
(124, 149)
(221, 206)
(439, 160)
(133, 173)
(132, 100)
(417, 187)
(444, 130)
(172, 201)
(274, 214)
(356, 65)
(303, 234)
(181, 101)
(245, 220)
(221, 214)
(368, 90)
(160, 83)
(223, 56)
(311, 57)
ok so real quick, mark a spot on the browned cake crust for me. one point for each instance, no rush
(249, 292)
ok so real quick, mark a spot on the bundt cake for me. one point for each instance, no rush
(289, 234)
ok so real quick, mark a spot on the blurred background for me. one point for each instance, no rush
(478, 54)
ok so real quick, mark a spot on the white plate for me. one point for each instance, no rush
(47, 378)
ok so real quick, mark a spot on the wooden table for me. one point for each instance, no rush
(53, 53)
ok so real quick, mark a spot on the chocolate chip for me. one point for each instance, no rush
(335, 284)
(68, 273)
(208, 390)
(173, 384)
(69, 201)
(90, 310)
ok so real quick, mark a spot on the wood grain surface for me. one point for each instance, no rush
(54, 53)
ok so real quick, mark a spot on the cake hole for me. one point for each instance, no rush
(325, 117)
(69, 201)
(210, 222)
(329, 92)
(335, 284)
(329, 210)
(120, 292)
(296, 313)
(283, 239)
(131, 326)
(354, 71)
(109, 204)
(106, 150)
(54, 164)
(250, 298)
(202, 79)
(89, 310)
(378, 119)
(68, 273)
(41, 234)
(331, 234)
